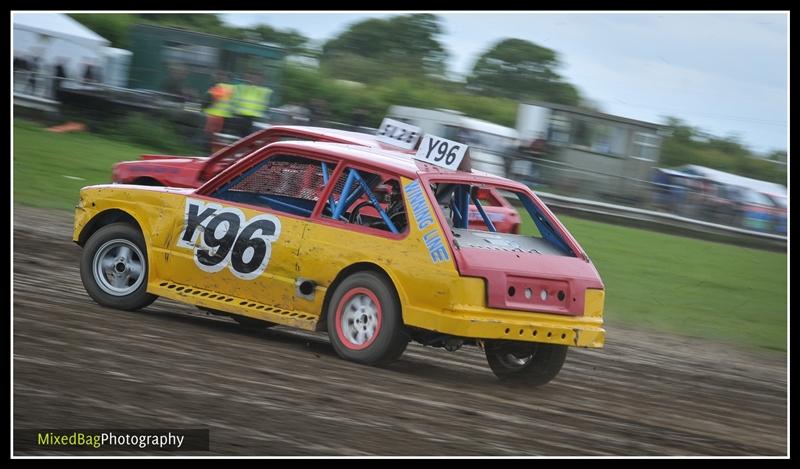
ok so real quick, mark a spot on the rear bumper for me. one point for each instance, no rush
(479, 322)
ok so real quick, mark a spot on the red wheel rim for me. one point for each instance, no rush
(358, 318)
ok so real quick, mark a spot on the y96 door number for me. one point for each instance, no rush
(223, 237)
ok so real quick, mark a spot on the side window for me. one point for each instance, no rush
(233, 154)
(248, 147)
(609, 139)
(367, 199)
(284, 183)
(645, 146)
(559, 129)
(244, 149)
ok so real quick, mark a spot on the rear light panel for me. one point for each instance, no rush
(525, 293)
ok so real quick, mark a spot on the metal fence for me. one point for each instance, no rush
(690, 197)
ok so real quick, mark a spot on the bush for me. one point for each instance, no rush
(688, 145)
(303, 85)
(155, 132)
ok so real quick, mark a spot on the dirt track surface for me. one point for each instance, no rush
(284, 392)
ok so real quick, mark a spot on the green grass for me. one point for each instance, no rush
(652, 280)
(689, 286)
(43, 160)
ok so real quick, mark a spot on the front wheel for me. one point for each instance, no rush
(532, 364)
(114, 267)
(364, 320)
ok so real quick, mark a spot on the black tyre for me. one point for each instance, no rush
(531, 364)
(364, 320)
(114, 267)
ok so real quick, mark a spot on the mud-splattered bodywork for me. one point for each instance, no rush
(442, 287)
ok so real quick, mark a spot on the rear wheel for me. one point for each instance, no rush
(114, 267)
(532, 364)
(364, 320)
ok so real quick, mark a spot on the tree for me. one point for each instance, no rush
(112, 26)
(291, 40)
(375, 49)
(778, 156)
(116, 27)
(520, 69)
(688, 145)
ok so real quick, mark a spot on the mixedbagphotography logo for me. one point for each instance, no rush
(111, 440)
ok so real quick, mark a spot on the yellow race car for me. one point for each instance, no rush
(372, 245)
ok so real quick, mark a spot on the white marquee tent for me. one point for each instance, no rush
(55, 36)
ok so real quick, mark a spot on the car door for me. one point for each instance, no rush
(355, 232)
(242, 238)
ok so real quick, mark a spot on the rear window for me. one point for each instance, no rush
(488, 199)
(516, 225)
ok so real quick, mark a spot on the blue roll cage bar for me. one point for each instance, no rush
(459, 205)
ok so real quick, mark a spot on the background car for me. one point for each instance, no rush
(176, 171)
(192, 171)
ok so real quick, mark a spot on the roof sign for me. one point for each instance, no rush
(398, 134)
(441, 152)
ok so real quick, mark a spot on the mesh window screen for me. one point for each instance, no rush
(285, 176)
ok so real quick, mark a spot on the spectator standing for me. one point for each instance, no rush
(91, 73)
(219, 106)
(250, 103)
(60, 74)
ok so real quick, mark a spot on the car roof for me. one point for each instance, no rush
(396, 162)
(345, 136)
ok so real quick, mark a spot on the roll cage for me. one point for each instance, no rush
(360, 189)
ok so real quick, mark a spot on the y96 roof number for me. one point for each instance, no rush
(441, 152)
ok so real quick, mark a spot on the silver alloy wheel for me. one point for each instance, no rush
(359, 319)
(118, 267)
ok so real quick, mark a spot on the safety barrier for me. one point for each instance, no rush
(663, 222)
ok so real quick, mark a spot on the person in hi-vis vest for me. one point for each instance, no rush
(220, 105)
(250, 103)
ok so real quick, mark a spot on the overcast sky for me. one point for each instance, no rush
(724, 73)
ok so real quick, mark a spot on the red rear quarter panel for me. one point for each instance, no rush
(172, 172)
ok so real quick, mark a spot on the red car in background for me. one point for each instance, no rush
(193, 171)
(500, 211)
